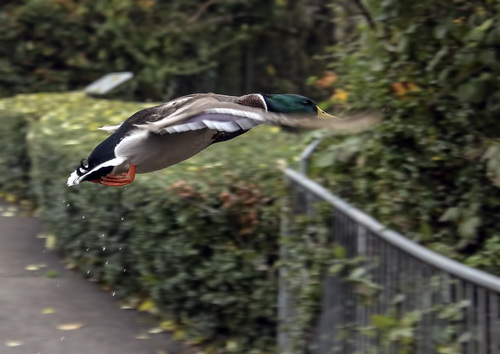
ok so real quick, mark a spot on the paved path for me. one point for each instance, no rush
(24, 294)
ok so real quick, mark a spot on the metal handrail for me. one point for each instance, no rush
(445, 264)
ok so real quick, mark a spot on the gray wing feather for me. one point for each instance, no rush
(231, 117)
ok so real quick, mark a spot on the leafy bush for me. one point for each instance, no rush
(199, 239)
(431, 169)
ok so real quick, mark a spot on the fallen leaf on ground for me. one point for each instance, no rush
(142, 336)
(50, 242)
(156, 330)
(48, 310)
(51, 273)
(32, 267)
(126, 307)
(147, 305)
(70, 326)
(13, 343)
(168, 325)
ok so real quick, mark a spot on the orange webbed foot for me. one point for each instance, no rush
(119, 180)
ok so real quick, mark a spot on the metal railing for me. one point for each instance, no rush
(444, 306)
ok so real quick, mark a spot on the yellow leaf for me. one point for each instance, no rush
(32, 267)
(50, 242)
(156, 330)
(126, 307)
(48, 310)
(70, 326)
(197, 340)
(271, 71)
(147, 305)
(168, 325)
(13, 343)
(340, 95)
(142, 336)
(231, 345)
(70, 266)
(180, 334)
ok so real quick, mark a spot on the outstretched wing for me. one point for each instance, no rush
(222, 122)
(232, 117)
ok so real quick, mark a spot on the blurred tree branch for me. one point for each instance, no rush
(365, 13)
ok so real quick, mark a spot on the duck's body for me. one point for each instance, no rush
(164, 135)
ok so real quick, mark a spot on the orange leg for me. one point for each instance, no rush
(122, 180)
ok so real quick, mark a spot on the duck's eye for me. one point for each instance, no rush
(307, 103)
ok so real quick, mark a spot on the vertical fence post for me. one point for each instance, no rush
(284, 301)
(304, 156)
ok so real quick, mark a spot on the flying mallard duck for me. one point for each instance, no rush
(161, 136)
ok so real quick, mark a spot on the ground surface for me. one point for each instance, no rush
(67, 299)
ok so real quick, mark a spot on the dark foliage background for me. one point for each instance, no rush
(174, 47)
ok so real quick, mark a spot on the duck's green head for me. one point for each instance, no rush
(289, 103)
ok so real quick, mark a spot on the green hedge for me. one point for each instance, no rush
(16, 113)
(199, 239)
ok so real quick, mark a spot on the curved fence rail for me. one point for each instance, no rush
(425, 303)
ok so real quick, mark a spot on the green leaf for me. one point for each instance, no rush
(451, 214)
(382, 322)
(468, 228)
(437, 58)
(478, 33)
(339, 252)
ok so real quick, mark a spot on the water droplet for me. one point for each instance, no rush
(119, 249)
(64, 201)
(104, 248)
(62, 339)
(88, 249)
(83, 217)
(122, 219)
(124, 270)
(102, 235)
(113, 293)
(67, 205)
(107, 262)
(88, 271)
